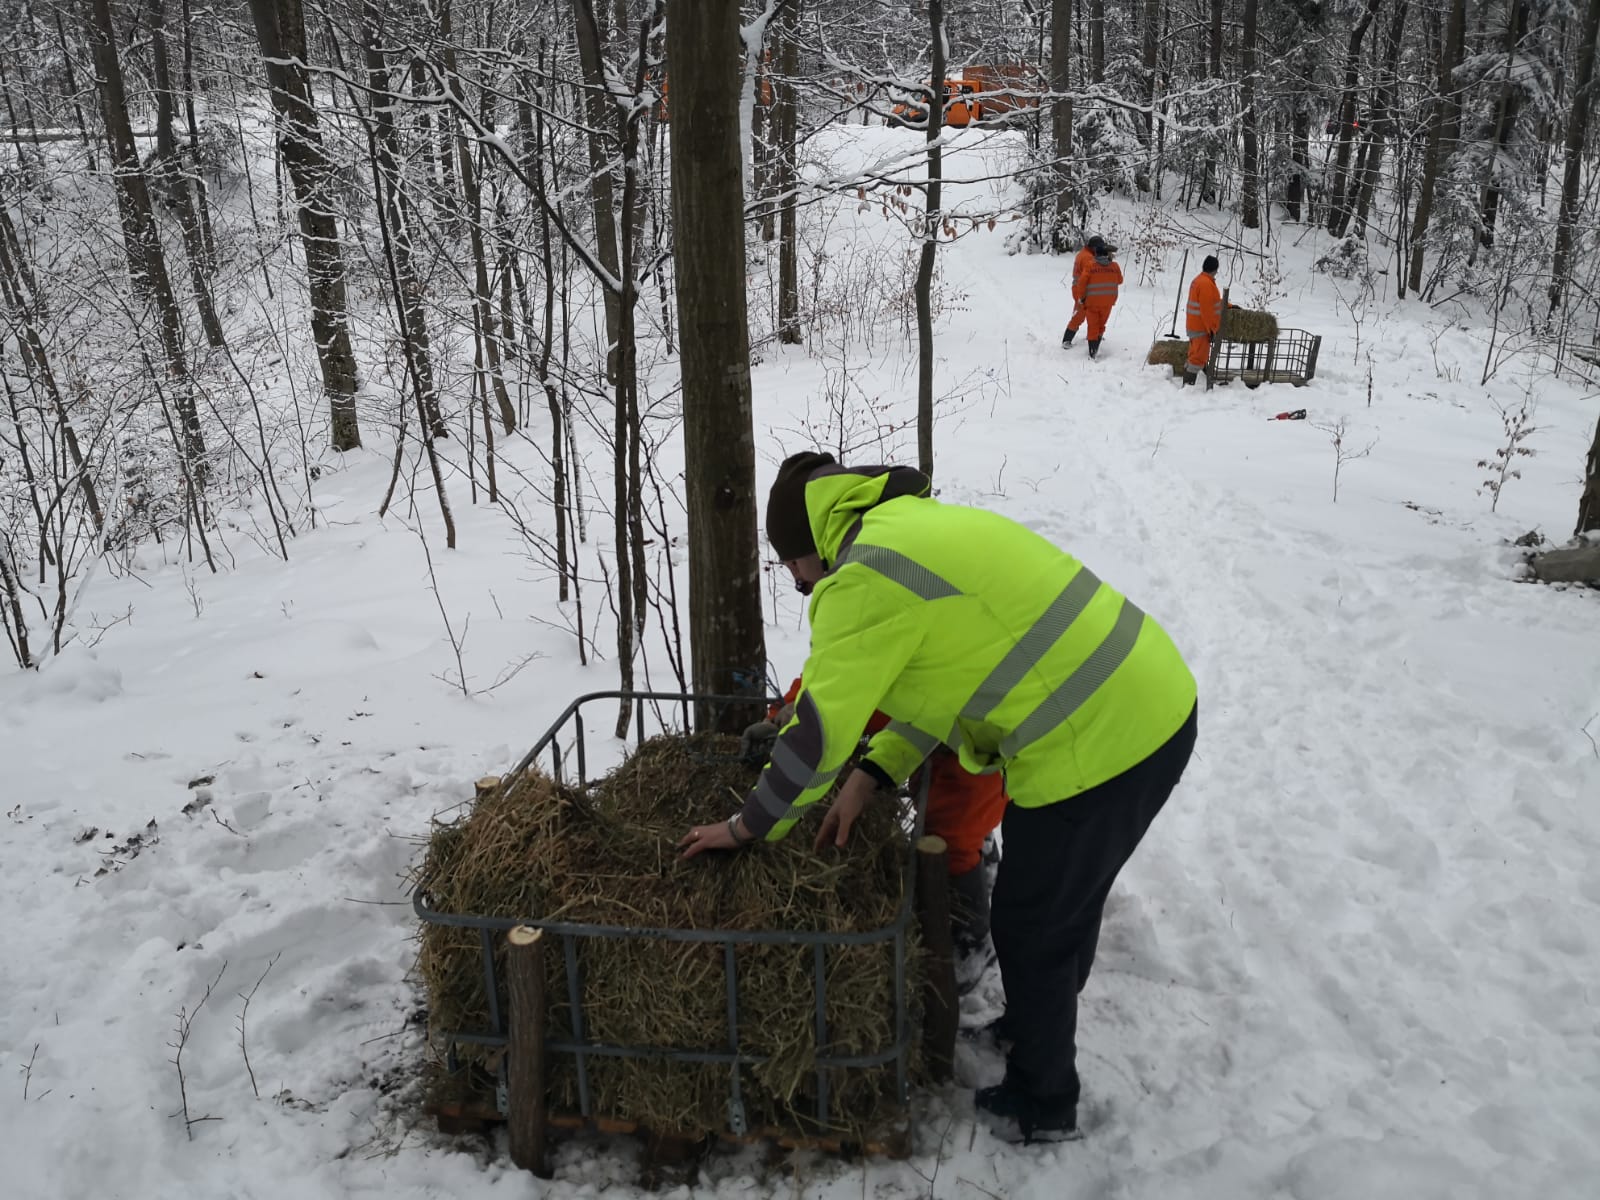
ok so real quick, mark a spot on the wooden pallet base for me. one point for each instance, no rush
(457, 1118)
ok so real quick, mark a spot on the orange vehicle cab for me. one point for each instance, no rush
(961, 106)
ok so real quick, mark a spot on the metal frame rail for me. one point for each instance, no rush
(572, 933)
(1291, 357)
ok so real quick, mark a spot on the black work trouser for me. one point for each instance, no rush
(1050, 892)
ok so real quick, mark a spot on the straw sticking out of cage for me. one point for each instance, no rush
(527, 851)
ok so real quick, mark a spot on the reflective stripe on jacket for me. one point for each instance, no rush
(1100, 283)
(1205, 306)
(971, 630)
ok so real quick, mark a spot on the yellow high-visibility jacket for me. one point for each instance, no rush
(971, 630)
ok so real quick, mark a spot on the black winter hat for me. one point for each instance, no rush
(788, 525)
(1211, 264)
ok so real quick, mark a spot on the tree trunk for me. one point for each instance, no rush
(1583, 102)
(1505, 118)
(726, 637)
(1061, 120)
(1215, 41)
(532, 120)
(1152, 41)
(1381, 125)
(280, 28)
(139, 228)
(784, 117)
(1097, 41)
(486, 332)
(387, 155)
(1574, 564)
(1339, 209)
(1249, 200)
(1589, 502)
(197, 178)
(1442, 132)
(36, 358)
(933, 217)
(173, 177)
(602, 191)
(72, 87)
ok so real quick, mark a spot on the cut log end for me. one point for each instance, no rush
(1577, 564)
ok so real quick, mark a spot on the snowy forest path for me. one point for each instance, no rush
(1350, 857)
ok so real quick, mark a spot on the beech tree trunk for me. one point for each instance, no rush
(784, 118)
(602, 190)
(1584, 97)
(1443, 129)
(1339, 209)
(933, 218)
(280, 28)
(146, 258)
(1249, 200)
(174, 177)
(726, 636)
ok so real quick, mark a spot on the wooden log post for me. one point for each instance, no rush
(940, 1010)
(485, 785)
(1573, 564)
(525, 1054)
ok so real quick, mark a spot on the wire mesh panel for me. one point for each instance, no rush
(826, 964)
(1291, 357)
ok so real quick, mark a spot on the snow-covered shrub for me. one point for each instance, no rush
(1346, 260)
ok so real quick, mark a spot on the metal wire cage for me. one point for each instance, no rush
(564, 745)
(1291, 357)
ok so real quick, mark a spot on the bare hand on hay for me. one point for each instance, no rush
(847, 806)
(707, 837)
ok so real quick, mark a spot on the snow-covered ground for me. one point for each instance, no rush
(1355, 957)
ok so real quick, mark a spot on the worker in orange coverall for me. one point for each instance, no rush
(1102, 280)
(963, 809)
(1205, 318)
(1081, 263)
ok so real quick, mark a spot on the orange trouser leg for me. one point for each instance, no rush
(1097, 322)
(1199, 350)
(1079, 312)
(963, 809)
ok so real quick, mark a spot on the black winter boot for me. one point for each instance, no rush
(1094, 348)
(969, 927)
(1188, 379)
(1066, 337)
(1014, 1115)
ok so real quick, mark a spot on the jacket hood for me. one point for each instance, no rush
(836, 496)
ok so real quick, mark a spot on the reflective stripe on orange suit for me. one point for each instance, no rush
(963, 808)
(1204, 318)
(1100, 286)
(1205, 306)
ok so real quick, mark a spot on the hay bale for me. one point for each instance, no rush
(1249, 325)
(1169, 352)
(530, 851)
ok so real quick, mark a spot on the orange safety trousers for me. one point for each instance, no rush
(1096, 314)
(1199, 350)
(963, 808)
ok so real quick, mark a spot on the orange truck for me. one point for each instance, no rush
(961, 106)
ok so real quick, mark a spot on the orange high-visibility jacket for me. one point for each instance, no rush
(1205, 306)
(1080, 266)
(1100, 284)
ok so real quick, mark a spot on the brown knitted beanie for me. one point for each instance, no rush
(788, 525)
